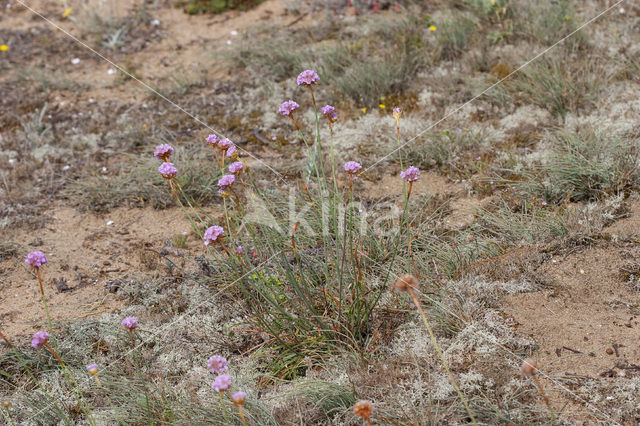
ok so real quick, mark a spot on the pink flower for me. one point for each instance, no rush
(307, 78)
(288, 107)
(129, 323)
(217, 364)
(36, 259)
(163, 152)
(39, 339)
(168, 170)
(411, 174)
(221, 383)
(352, 167)
(239, 397)
(236, 167)
(212, 234)
(213, 140)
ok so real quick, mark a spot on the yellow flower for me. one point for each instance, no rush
(67, 13)
(4, 48)
(364, 110)
(382, 106)
(432, 28)
(144, 126)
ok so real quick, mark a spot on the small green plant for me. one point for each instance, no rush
(195, 7)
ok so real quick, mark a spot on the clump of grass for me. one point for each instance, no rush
(196, 7)
(561, 86)
(454, 35)
(141, 185)
(547, 22)
(586, 166)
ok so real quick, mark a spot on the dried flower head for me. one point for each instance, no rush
(168, 170)
(217, 364)
(39, 339)
(6, 404)
(288, 107)
(221, 383)
(411, 174)
(129, 323)
(92, 369)
(36, 259)
(163, 152)
(405, 282)
(307, 78)
(529, 367)
(363, 409)
(329, 112)
(352, 167)
(212, 234)
(213, 140)
(236, 167)
(239, 397)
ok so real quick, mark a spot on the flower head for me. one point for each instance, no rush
(168, 170)
(221, 383)
(3, 47)
(396, 114)
(225, 144)
(288, 107)
(213, 140)
(411, 174)
(163, 152)
(39, 339)
(232, 151)
(236, 167)
(217, 364)
(36, 259)
(239, 397)
(329, 112)
(129, 323)
(226, 180)
(92, 369)
(307, 78)
(352, 167)
(363, 409)
(239, 250)
(212, 234)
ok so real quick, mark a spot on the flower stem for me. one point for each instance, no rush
(439, 352)
(241, 412)
(133, 345)
(54, 353)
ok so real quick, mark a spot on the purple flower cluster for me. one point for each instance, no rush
(36, 259)
(92, 369)
(239, 251)
(236, 167)
(225, 144)
(39, 339)
(411, 174)
(129, 323)
(221, 383)
(352, 167)
(163, 152)
(232, 151)
(307, 78)
(168, 170)
(224, 183)
(288, 107)
(329, 112)
(213, 140)
(212, 234)
(217, 364)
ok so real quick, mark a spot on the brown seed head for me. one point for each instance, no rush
(363, 409)
(6, 404)
(405, 282)
(529, 367)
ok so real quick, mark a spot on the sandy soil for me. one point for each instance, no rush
(87, 254)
